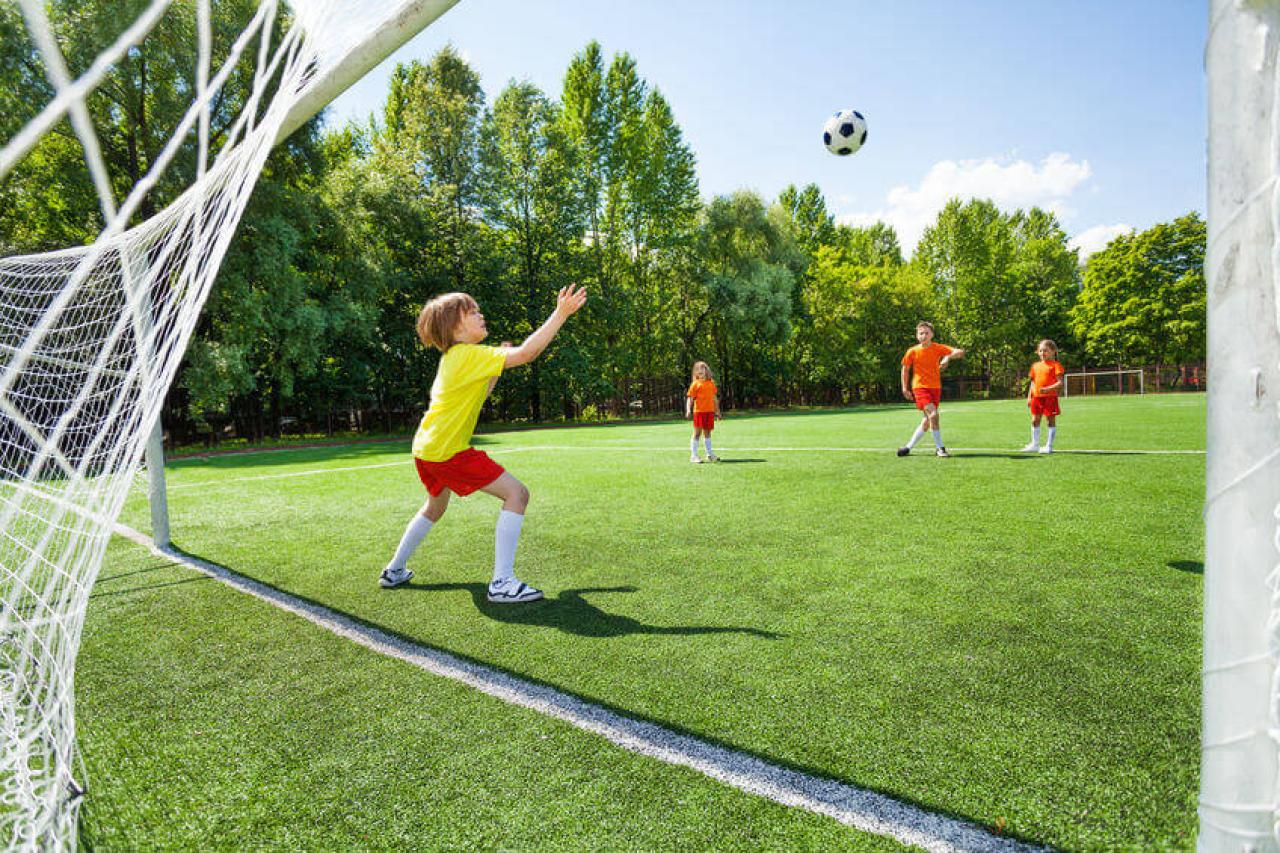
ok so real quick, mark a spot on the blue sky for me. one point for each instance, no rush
(1093, 109)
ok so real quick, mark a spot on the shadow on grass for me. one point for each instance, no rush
(572, 613)
(569, 608)
(1190, 566)
(724, 461)
(146, 587)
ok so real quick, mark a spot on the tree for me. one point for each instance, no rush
(1143, 299)
(529, 194)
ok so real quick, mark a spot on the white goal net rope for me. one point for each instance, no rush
(91, 337)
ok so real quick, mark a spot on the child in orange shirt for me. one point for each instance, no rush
(445, 460)
(703, 403)
(923, 363)
(1042, 396)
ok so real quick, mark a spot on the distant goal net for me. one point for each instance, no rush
(1086, 383)
(91, 336)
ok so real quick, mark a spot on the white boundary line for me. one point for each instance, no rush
(666, 448)
(862, 809)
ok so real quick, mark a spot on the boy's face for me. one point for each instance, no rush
(702, 371)
(471, 328)
(924, 334)
(1047, 353)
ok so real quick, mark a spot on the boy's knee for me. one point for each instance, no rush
(520, 496)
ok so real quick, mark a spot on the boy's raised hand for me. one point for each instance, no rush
(570, 299)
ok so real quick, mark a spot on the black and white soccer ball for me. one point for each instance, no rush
(845, 132)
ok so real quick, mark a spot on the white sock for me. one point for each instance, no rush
(409, 542)
(1052, 431)
(706, 440)
(693, 446)
(507, 536)
(916, 436)
(937, 438)
(1035, 435)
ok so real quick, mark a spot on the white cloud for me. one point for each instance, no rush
(1095, 239)
(1009, 183)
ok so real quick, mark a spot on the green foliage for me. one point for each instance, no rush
(1144, 296)
(1001, 282)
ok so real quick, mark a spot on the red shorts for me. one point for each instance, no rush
(925, 396)
(1046, 405)
(463, 472)
(705, 421)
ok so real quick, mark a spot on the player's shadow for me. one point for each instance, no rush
(572, 613)
(1194, 567)
(738, 461)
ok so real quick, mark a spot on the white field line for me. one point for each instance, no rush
(865, 810)
(675, 450)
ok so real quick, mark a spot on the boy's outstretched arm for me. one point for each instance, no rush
(494, 380)
(954, 354)
(569, 300)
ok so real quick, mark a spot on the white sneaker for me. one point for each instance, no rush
(512, 591)
(1030, 448)
(695, 459)
(391, 578)
(711, 457)
(1047, 449)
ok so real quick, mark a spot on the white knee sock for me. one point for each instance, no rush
(916, 436)
(1053, 430)
(409, 542)
(937, 438)
(1035, 435)
(706, 440)
(507, 536)
(693, 446)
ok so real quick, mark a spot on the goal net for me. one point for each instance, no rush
(1103, 382)
(91, 336)
(1241, 705)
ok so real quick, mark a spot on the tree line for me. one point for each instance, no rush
(349, 231)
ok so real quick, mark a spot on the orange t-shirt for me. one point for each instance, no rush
(923, 361)
(703, 392)
(1044, 373)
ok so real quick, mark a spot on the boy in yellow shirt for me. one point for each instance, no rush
(442, 451)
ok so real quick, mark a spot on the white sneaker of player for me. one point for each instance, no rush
(1046, 450)
(695, 458)
(512, 591)
(1030, 448)
(391, 578)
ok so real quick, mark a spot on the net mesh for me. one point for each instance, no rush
(91, 337)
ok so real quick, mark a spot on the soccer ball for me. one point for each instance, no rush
(844, 132)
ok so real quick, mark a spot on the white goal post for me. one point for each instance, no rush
(91, 336)
(1241, 699)
(1083, 378)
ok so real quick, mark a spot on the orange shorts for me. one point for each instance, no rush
(705, 421)
(463, 472)
(1046, 405)
(925, 396)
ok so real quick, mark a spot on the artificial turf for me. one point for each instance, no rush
(1008, 638)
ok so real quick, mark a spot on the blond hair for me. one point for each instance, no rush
(704, 366)
(440, 317)
(1051, 344)
(925, 324)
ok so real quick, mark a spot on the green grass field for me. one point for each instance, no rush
(1009, 639)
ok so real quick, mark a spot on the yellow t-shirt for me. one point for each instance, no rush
(462, 382)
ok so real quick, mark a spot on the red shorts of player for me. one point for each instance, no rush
(1047, 405)
(925, 396)
(462, 473)
(705, 421)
